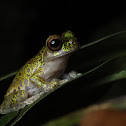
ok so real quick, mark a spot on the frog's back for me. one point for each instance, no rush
(22, 78)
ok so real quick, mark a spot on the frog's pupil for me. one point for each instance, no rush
(55, 43)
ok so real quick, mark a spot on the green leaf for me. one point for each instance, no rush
(7, 118)
(8, 75)
(118, 73)
(104, 38)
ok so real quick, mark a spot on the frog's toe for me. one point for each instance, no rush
(55, 80)
(63, 81)
(31, 99)
(74, 74)
(68, 76)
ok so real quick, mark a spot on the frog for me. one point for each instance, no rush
(40, 74)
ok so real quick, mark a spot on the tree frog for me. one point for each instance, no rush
(41, 73)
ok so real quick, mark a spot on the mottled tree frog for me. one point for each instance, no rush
(41, 73)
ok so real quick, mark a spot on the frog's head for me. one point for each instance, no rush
(58, 46)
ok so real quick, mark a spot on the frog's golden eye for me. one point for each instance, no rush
(54, 43)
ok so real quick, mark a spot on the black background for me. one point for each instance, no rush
(25, 25)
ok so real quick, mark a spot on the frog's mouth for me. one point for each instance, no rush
(67, 54)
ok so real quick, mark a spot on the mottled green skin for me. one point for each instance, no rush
(25, 73)
(17, 95)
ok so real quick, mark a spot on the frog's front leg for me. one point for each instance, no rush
(41, 83)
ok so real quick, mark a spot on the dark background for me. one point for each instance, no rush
(25, 25)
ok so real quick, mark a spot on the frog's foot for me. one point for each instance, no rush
(13, 102)
(16, 107)
(33, 98)
(68, 76)
(74, 74)
(51, 85)
(63, 81)
(5, 110)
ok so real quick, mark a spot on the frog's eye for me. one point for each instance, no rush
(54, 43)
